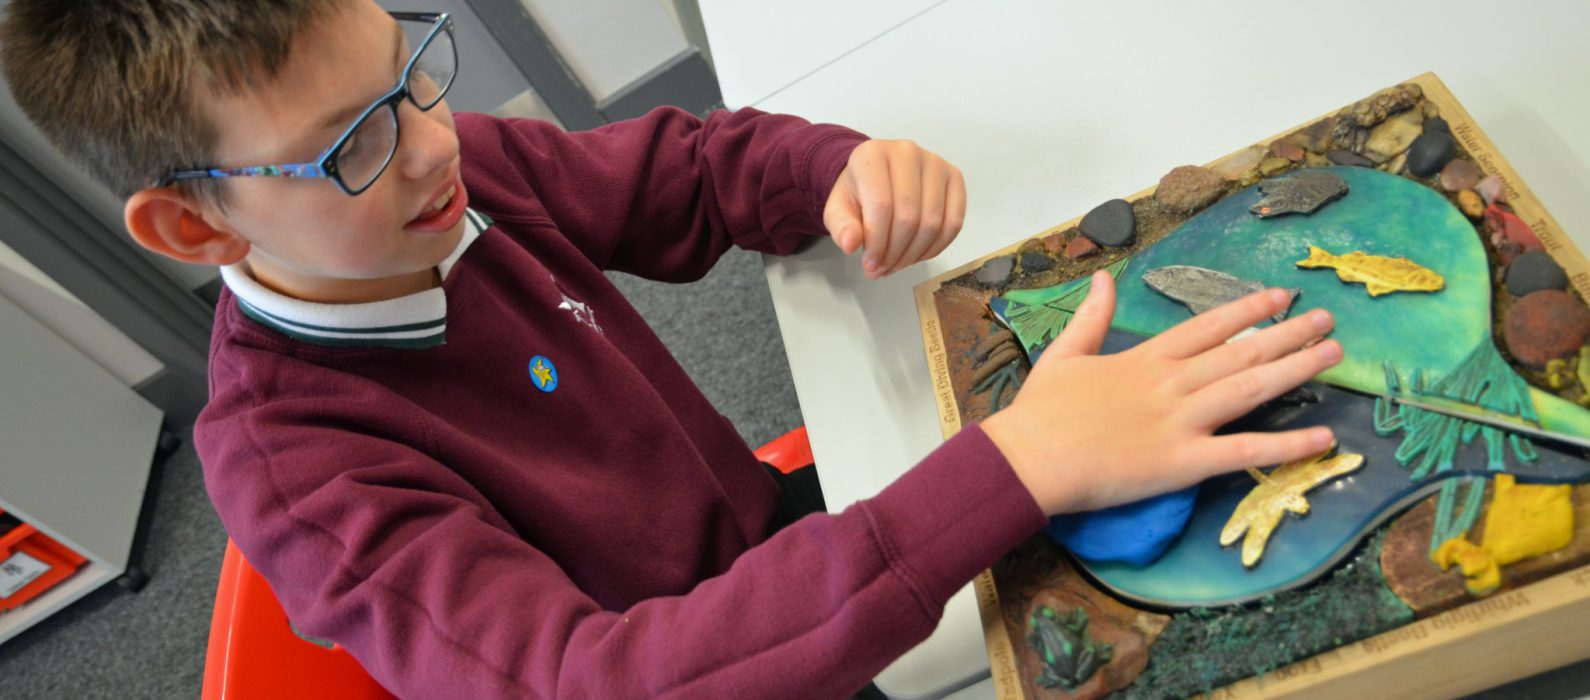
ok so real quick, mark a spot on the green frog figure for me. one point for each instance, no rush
(1069, 655)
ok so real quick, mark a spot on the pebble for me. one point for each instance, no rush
(1534, 271)
(1492, 189)
(1470, 203)
(1112, 223)
(1273, 166)
(1391, 137)
(1188, 188)
(1460, 175)
(1545, 326)
(1033, 261)
(996, 272)
(1395, 165)
(1286, 148)
(1505, 225)
(1316, 137)
(1437, 124)
(1341, 157)
(1507, 251)
(1431, 152)
(1232, 168)
(1081, 247)
(1054, 244)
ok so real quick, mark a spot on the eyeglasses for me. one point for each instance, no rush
(366, 148)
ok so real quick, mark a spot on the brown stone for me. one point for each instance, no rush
(1054, 244)
(1392, 137)
(1081, 247)
(1471, 204)
(1374, 109)
(1286, 148)
(1405, 558)
(1188, 188)
(1274, 166)
(1316, 137)
(1232, 167)
(1044, 578)
(1545, 326)
(1460, 175)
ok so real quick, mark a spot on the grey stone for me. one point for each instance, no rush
(1437, 124)
(1431, 152)
(1202, 289)
(1534, 271)
(996, 272)
(1033, 261)
(1111, 223)
(1341, 157)
(1302, 192)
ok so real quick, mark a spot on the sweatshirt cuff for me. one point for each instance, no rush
(822, 161)
(953, 515)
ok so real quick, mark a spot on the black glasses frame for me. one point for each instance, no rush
(326, 165)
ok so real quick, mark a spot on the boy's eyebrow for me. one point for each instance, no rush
(342, 116)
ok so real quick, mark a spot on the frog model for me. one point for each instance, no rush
(1068, 652)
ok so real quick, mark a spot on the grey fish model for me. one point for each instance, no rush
(1302, 192)
(1202, 289)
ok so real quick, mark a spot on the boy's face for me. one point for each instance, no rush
(307, 238)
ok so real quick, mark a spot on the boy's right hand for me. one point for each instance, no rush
(1089, 431)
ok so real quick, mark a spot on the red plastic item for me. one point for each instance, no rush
(63, 562)
(254, 653)
(788, 452)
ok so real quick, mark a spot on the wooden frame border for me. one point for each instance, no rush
(1479, 645)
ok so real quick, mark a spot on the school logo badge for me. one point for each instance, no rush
(543, 373)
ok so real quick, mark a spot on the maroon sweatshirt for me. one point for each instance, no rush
(507, 487)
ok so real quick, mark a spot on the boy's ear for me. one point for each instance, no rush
(166, 221)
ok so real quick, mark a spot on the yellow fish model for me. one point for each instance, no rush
(1382, 275)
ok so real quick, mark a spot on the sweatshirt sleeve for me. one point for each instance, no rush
(665, 195)
(377, 547)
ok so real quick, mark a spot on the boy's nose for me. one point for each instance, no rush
(427, 142)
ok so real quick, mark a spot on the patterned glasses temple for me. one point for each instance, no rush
(286, 170)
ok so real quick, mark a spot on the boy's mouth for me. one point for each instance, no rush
(445, 210)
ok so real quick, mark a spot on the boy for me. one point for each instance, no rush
(453, 448)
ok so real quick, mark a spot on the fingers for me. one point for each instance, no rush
(1085, 332)
(1214, 326)
(876, 193)
(1226, 453)
(842, 217)
(906, 176)
(1254, 350)
(1229, 398)
(954, 213)
(933, 183)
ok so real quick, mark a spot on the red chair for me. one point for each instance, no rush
(256, 654)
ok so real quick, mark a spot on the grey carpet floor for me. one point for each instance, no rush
(114, 644)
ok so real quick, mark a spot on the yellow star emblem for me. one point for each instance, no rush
(542, 373)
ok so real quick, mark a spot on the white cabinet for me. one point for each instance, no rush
(75, 451)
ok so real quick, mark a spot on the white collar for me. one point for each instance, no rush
(418, 320)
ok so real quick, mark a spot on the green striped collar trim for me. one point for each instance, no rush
(414, 321)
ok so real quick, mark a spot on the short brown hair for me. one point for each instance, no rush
(117, 85)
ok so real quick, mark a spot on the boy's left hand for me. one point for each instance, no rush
(900, 203)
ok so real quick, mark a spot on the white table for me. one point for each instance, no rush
(771, 44)
(1053, 107)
